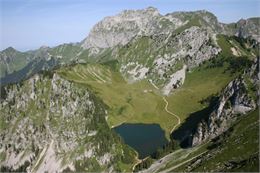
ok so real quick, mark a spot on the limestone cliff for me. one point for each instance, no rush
(237, 99)
(51, 124)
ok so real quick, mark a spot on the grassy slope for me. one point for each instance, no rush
(201, 83)
(242, 143)
(183, 155)
(198, 86)
(66, 51)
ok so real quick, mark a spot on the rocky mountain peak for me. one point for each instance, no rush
(9, 49)
(121, 28)
(8, 54)
(44, 48)
(146, 11)
(248, 28)
(242, 22)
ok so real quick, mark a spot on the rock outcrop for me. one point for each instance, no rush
(160, 57)
(51, 124)
(234, 101)
(248, 28)
(120, 29)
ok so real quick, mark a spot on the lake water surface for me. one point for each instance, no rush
(144, 138)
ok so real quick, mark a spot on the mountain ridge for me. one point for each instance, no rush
(113, 31)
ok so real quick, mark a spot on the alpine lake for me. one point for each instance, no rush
(144, 138)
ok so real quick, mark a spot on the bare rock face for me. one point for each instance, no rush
(176, 80)
(51, 124)
(234, 101)
(248, 28)
(120, 29)
(193, 45)
(165, 58)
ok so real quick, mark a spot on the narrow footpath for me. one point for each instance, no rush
(176, 116)
(166, 108)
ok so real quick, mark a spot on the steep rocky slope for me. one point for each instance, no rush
(165, 58)
(246, 28)
(122, 28)
(51, 124)
(159, 47)
(235, 150)
(233, 102)
(238, 98)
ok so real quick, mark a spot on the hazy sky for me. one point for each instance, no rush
(29, 24)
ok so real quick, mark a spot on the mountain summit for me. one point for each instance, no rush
(121, 28)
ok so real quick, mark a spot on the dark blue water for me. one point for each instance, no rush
(144, 138)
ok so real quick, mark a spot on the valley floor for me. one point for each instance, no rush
(141, 102)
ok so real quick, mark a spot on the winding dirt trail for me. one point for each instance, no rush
(182, 163)
(176, 116)
(166, 108)
(138, 162)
